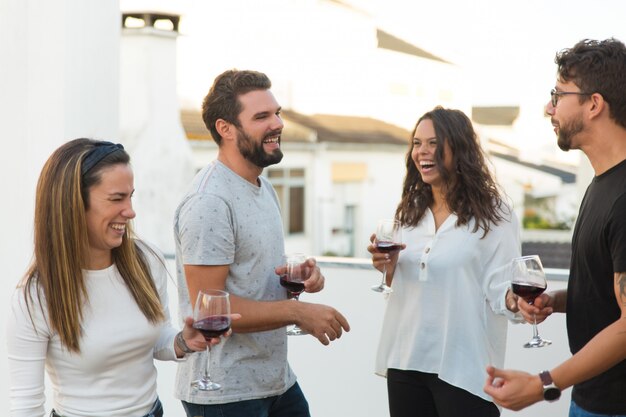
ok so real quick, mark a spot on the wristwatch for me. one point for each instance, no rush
(550, 391)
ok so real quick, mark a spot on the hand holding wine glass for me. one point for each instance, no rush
(529, 281)
(296, 271)
(212, 318)
(388, 239)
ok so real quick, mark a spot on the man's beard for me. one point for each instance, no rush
(567, 132)
(255, 153)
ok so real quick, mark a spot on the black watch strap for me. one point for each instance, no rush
(550, 391)
(546, 378)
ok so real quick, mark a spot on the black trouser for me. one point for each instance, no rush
(418, 394)
(155, 411)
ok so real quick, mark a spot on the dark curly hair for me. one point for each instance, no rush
(597, 67)
(471, 192)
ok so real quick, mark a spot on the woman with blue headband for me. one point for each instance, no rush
(92, 309)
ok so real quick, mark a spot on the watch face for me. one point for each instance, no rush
(551, 394)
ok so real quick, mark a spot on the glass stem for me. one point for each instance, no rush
(535, 332)
(384, 281)
(207, 376)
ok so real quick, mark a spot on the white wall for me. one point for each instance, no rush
(338, 380)
(376, 197)
(58, 81)
(151, 129)
(513, 178)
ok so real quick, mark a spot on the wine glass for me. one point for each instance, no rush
(388, 239)
(211, 316)
(296, 272)
(529, 282)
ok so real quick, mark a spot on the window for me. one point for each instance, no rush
(289, 185)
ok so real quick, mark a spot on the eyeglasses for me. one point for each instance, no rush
(554, 95)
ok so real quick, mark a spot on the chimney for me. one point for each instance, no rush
(150, 124)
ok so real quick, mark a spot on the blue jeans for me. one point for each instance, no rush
(290, 404)
(155, 411)
(576, 411)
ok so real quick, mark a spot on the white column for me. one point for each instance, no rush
(58, 81)
(151, 128)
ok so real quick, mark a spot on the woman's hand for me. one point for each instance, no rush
(195, 340)
(380, 258)
(511, 301)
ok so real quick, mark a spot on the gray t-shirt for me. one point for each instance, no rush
(226, 220)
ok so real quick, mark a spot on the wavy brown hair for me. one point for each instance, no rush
(61, 244)
(470, 191)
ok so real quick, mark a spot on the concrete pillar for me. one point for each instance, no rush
(150, 123)
(58, 81)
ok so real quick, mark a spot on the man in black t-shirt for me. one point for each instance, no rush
(588, 112)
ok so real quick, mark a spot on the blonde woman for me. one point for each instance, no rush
(92, 309)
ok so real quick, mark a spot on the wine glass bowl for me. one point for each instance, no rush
(388, 239)
(296, 272)
(211, 317)
(529, 282)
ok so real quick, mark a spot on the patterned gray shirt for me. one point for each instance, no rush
(226, 220)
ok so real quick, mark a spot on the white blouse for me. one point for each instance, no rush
(114, 375)
(447, 313)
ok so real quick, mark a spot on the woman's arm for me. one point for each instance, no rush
(504, 243)
(27, 344)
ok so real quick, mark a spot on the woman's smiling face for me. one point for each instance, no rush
(109, 210)
(425, 143)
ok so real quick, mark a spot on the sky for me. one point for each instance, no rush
(507, 47)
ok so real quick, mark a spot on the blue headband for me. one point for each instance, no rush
(98, 153)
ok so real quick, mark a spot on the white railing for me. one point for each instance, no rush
(338, 380)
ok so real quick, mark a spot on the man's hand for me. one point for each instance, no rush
(540, 309)
(514, 390)
(314, 282)
(323, 322)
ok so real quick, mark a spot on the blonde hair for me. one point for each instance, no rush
(61, 245)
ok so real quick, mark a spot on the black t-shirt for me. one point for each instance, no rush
(598, 251)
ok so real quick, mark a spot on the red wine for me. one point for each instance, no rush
(213, 326)
(293, 287)
(388, 246)
(527, 291)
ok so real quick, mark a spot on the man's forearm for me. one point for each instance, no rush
(602, 352)
(258, 316)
